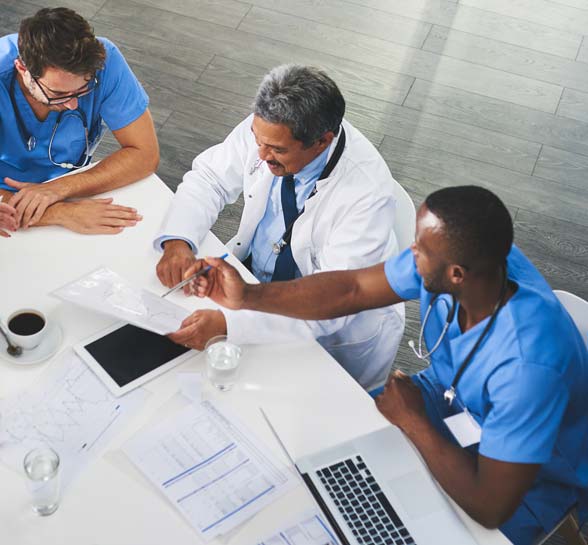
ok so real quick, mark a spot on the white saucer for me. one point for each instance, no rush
(48, 347)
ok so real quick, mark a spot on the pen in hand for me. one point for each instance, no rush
(192, 277)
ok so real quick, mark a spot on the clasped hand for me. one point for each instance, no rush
(402, 402)
(7, 219)
(31, 200)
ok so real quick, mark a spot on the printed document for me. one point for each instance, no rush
(67, 409)
(310, 529)
(107, 292)
(209, 467)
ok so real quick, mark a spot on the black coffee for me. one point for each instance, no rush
(26, 323)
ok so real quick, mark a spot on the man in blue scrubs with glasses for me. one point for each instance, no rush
(60, 87)
(501, 415)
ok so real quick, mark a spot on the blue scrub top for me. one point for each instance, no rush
(526, 385)
(119, 100)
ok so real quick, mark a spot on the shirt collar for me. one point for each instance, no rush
(312, 170)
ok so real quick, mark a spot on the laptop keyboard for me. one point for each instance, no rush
(362, 504)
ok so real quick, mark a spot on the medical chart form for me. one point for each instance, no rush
(209, 468)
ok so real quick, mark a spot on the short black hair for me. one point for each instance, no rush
(478, 226)
(60, 38)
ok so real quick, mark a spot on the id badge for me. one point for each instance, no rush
(464, 428)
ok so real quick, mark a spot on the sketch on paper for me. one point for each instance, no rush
(68, 409)
(105, 291)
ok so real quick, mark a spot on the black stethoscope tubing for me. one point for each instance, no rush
(331, 164)
(450, 394)
(30, 142)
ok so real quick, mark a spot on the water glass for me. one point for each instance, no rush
(222, 358)
(41, 467)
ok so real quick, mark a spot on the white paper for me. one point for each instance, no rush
(464, 428)
(69, 410)
(105, 291)
(209, 467)
(191, 386)
(307, 529)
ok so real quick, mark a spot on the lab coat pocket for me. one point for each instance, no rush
(353, 354)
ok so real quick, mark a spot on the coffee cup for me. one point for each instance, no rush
(27, 327)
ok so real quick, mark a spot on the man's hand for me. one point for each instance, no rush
(7, 219)
(223, 283)
(176, 260)
(92, 216)
(32, 200)
(402, 402)
(199, 327)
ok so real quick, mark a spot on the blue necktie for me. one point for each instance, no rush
(285, 268)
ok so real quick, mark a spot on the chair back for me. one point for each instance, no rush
(577, 308)
(405, 220)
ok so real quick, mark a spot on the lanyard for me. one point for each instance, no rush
(450, 394)
(332, 163)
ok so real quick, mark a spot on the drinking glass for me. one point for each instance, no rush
(222, 358)
(41, 467)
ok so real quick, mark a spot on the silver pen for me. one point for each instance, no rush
(190, 278)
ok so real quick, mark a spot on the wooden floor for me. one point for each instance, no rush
(489, 92)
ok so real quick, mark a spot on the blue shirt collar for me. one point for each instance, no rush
(312, 171)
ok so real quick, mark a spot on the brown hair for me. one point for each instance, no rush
(60, 38)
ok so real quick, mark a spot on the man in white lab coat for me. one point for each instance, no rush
(318, 197)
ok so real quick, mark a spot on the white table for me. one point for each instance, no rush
(310, 399)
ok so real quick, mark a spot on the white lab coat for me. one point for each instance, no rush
(346, 225)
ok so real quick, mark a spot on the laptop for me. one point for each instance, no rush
(374, 490)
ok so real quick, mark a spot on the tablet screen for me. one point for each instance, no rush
(129, 352)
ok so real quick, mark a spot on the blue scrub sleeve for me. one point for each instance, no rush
(528, 402)
(123, 98)
(402, 275)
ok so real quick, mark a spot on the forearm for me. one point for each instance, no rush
(123, 167)
(54, 215)
(316, 297)
(456, 470)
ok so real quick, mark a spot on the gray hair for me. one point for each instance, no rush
(303, 98)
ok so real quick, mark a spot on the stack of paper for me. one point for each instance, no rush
(209, 467)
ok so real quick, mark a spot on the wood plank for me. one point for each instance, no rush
(191, 132)
(574, 104)
(376, 117)
(515, 189)
(244, 47)
(554, 239)
(403, 59)
(221, 12)
(542, 12)
(169, 60)
(483, 23)
(247, 68)
(387, 26)
(580, 4)
(547, 249)
(583, 51)
(565, 167)
(492, 114)
(510, 58)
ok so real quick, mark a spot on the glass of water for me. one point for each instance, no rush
(222, 358)
(41, 467)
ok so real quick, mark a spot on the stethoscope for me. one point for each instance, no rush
(450, 393)
(277, 247)
(30, 142)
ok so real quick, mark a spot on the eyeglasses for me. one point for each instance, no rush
(88, 88)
